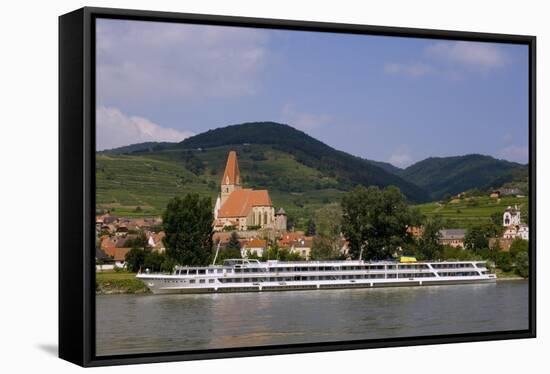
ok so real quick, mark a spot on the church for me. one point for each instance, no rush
(244, 208)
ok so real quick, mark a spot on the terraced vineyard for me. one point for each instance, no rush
(464, 213)
(141, 185)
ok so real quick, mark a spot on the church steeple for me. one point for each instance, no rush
(231, 179)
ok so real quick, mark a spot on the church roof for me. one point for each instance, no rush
(240, 202)
(232, 174)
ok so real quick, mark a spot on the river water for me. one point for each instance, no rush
(162, 323)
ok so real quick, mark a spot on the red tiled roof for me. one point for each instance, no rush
(256, 243)
(232, 175)
(240, 202)
(120, 254)
(108, 246)
(223, 237)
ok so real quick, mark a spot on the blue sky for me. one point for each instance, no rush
(390, 99)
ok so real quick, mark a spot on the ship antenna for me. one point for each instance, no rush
(217, 250)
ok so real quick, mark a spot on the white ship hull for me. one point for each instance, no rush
(276, 276)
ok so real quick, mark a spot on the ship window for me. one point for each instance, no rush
(211, 281)
(192, 281)
(201, 280)
(202, 271)
(210, 271)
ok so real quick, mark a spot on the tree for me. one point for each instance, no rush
(522, 264)
(504, 261)
(135, 259)
(519, 245)
(323, 249)
(519, 252)
(429, 246)
(311, 228)
(187, 223)
(233, 242)
(228, 253)
(375, 221)
(475, 239)
(153, 261)
(326, 245)
(168, 265)
(496, 218)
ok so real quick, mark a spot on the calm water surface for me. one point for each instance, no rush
(160, 323)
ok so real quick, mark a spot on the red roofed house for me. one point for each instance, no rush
(255, 246)
(242, 207)
(155, 241)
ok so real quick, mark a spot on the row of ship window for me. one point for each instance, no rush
(324, 268)
(340, 277)
(452, 266)
(321, 278)
(458, 274)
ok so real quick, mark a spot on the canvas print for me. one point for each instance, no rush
(267, 187)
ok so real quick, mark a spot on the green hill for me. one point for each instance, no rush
(452, 175)
(468, 212)
(348, 170)
(141, 184)
(301, 173)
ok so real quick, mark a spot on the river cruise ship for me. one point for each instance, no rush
(247, 275)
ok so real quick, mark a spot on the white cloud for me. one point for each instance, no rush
(401, 157)
(471, 54)
(451, 60)
(414, 69)
(116, 129)
(147, 61)
(514, 153)
(303, 120)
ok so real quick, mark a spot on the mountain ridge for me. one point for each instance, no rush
(426, 180)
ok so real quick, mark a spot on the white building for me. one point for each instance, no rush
(511, 217)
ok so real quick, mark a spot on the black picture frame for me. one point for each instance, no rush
(77, 184)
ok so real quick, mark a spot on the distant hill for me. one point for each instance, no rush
(139, 148)
(388, 167)
(301, 172)
(347, 169)
(451, 175)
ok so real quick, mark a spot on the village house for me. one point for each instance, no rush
(511, 216)
(452, 237)
(505, 192)
(155, 241)
(289, 237)
(511, 219)
(302, 247)
(244, 207)
(254, 247)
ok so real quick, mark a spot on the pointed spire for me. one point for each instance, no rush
(232, 174)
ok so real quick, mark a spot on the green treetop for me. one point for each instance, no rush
(187, 223)
(375, 221)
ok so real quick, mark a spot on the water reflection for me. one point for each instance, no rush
(156, 323)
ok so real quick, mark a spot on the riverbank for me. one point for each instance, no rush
(508, 275)
(112, 282)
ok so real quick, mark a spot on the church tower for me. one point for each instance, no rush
(231, 180)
